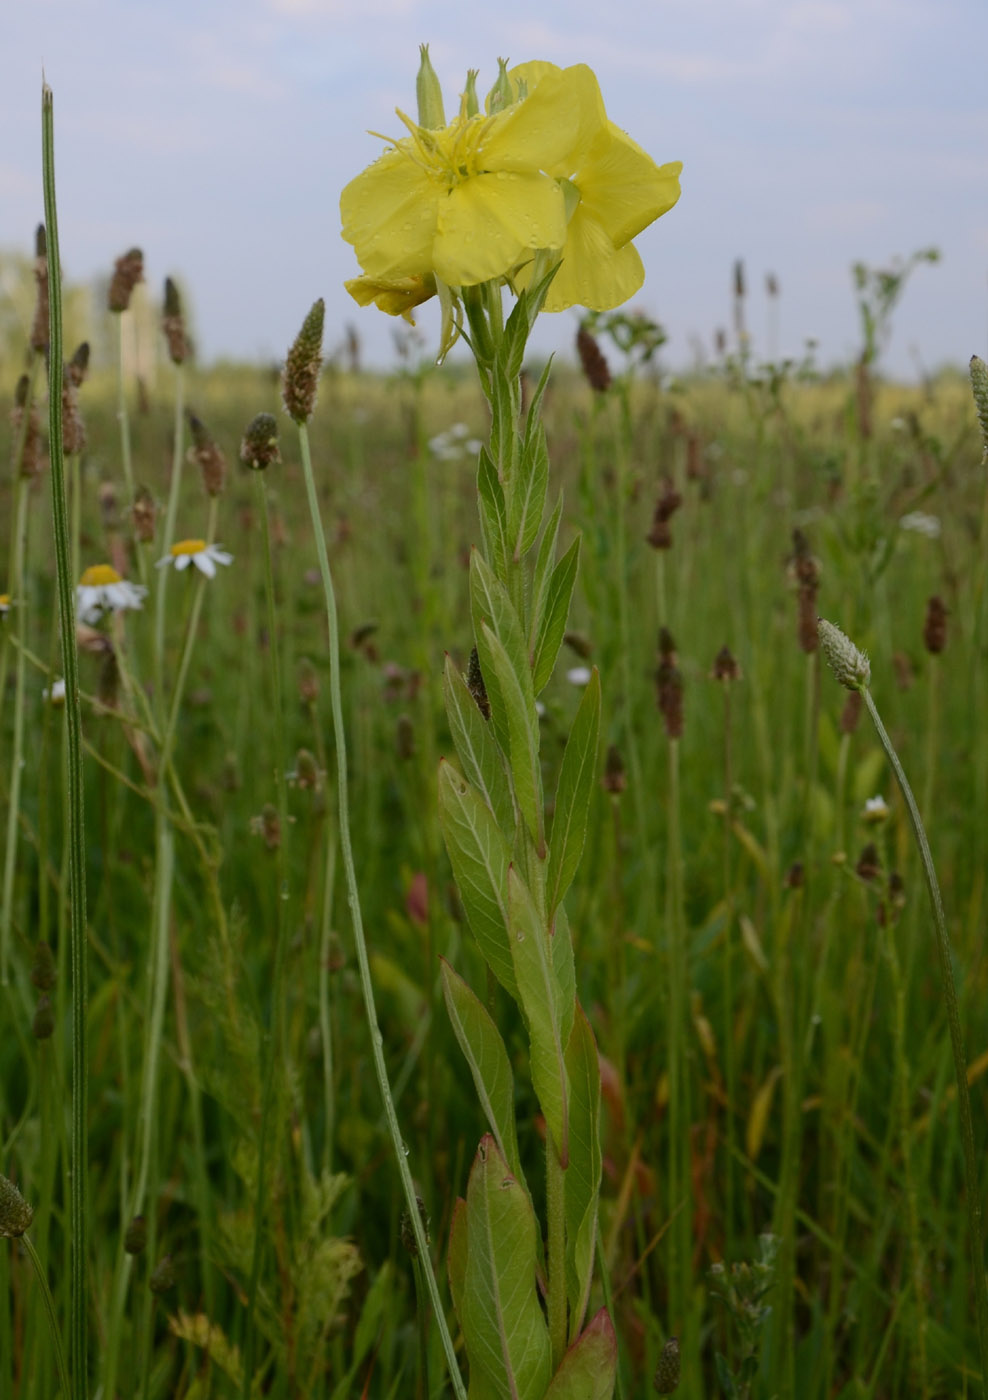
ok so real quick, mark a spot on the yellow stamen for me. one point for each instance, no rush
(98, 575)
(188, 547)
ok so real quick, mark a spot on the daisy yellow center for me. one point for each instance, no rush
(4, 600)
(188, 547)
(99, 575)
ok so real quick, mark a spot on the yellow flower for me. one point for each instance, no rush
(473, 200)
(613, 191)
(397, 296)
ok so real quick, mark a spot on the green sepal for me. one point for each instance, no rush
(585, 1166)
(547, 1007)
(588, 1371)
(485, 1053)
(577, 779)
(479, 856)
(552, 625)
(479, 755)
(504, 1329)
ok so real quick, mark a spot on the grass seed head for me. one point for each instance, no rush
(849, 665)
(136, 1235)
(300, 381)
(173, 325)
(43, 974)
(725, 667)
(128, 270)
(666, 1377)
(935, 626)
(15, 1213)
(163, 1276)
(78, 366)
(73, 428)
(39, 326)
(614, 780)
(595, 367)
(143, 514)
(979, 387)
(259, 448)
(211, 462)
(669, 686)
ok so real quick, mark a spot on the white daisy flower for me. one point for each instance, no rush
(101, 589)
(204, 556)
(875, 810)
(579, 675)
(4, 604)
(56, 695)
(919, 523)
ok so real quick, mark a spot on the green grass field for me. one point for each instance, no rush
(753, 941)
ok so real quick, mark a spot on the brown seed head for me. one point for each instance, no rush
(43, 975)
(143, 515)
(592, 361)
(935, 626)
(300, 381)
(666, 1377)
(259, 448)
(795, 876)
(32, 457)
(15, 1213)
(173, 325)
(614, 779)
(204, 451)
(128, 270)
(669, 686)
(739, 287)
(73, 429)
(39, 326)
(163, 1276)
(725, 666)
(78, 366)
(308, 683)
(136, 1235)
(869, 867)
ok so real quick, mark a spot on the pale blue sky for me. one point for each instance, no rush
(217, 136)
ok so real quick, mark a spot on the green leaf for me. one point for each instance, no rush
(585, 1165)
(504, 1329)
(456, 1259)
(589, 1369)
(483, 765)
(577, 778)
(552, 625)
(493, 515)
(543, 572)
(490, 604)
(479, 856)
(522, 725)
(528, 496)
(481, 1043)
(546, 1005)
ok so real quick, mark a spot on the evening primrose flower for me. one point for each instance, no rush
(204, 556)
(101, 589)
(397, 296)
(613, 191)
(472, 200)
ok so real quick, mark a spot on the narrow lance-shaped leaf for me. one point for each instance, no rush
(493, 516)
(491, 605)
(528, 497)
(476, 749)
(482, 1046)
(574, 790)
(585, 1166)
(552, 626)
(479, 856)
(542, 574)
(522, 723)
(504, 1328)
(543, 1002)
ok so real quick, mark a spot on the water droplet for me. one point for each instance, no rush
(521, 936)
(404, 1149)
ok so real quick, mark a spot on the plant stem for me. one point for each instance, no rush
(974, 1213)
(353, 901)
(49, 1302)
(17, 761)
(79, 1172)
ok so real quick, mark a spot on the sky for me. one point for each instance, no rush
(217, 134)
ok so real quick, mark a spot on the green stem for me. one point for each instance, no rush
(168, 538)
(17, 761)
(79, 1173)
(49, 1302)
(272, 1047)
(353, 901)
(556, 1212)
(974, 1214)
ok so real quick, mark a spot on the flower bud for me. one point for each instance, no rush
(173, 325)
(666, 1377)
(259, 448)
(470, 93)
(501, 94)
(15, 1213)
(43, 974)
(204, 451)
(429, 94)
(128, 270)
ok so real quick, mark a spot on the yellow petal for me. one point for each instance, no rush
(594, 273)
(389, 215)
(553, 128)
(622, 187)
(488, 224)
(397, 298)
